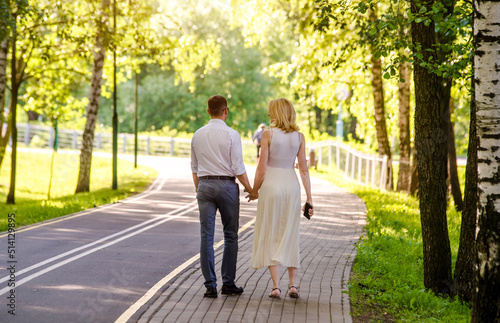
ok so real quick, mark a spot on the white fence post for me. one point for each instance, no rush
(337, 146)
(347, 152)
(373, 170)
(27, 134)
(329, 154)
(51, 137)
(124, 140)
(99, 141)
(171, 146)
(354, 155)
(73, 143)
(367, 176)
(320, 154)
(360, 163)
(383, 172)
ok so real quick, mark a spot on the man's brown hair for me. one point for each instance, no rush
(216, 105)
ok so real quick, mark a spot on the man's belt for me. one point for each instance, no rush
(224, 178)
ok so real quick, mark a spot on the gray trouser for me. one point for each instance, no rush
(222, 195)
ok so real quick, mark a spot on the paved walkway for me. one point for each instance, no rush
(327, 252)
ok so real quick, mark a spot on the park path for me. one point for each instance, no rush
(327, 251)
(147, 267)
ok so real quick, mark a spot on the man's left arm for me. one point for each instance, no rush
(196, 180)
(237, 161)
(243, 178)
(194, 166)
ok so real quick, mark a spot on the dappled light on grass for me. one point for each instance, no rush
(387, 278)
(32, 185)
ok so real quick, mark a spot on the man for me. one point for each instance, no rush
(257, 138)
(216, 159)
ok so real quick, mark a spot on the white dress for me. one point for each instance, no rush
(277, 225)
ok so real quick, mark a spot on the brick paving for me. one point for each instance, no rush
(327, 252)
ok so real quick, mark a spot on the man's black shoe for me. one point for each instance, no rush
(231, 290)
(211, 292)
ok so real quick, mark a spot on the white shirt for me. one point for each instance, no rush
(216, 150)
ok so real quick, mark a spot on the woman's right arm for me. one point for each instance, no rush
(262, 166)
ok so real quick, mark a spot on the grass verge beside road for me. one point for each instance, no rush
(32, 186)
(387, 282)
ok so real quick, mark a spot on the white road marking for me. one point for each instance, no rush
(153, 290)
(64, 262)
(67, 253)
(147, 192)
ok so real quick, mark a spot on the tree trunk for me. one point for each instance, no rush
(317, 113)
(352, 128)
(4, 141)
(404, 175)
(83, 184)
(32, 115)
(452, 164)
(13, 106)
(414, 174)
(4, 137)
(431, 140)
(379, 111)
(463, 275)
(486, 295)
(4, 48)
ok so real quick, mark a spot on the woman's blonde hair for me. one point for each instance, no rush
(282, 115)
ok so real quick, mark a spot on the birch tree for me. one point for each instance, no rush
(101, 45)
(384, 148)
(4, 135)
(486, 295)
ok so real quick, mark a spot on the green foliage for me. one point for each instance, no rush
(169, 98)
(388, 269)
(253, 51)
(33, 182)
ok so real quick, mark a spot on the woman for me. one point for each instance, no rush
(277, 226)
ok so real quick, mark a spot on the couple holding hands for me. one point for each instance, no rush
(216, 161)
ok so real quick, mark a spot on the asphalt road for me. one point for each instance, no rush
(94, 265)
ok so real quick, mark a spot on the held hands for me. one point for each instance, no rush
(252, 196)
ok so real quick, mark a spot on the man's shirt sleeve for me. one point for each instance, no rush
(237, 154)
(194, 160)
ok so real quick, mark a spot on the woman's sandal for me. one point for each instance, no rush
(292, 294)
(274, 295)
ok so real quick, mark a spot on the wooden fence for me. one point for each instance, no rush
(43, 137)
(368, 169)
(365, 168)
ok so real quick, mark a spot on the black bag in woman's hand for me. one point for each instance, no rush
(307, 207)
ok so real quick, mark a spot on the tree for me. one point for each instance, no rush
(217, 60)
(379, 107)
(404, 173)
(17, 10)
(431, 140)
(13, 108)
(486, 295)
(44, 61)
(5, 18)
(102, 40)
(452, 162)
(463, 276)
(4, 136)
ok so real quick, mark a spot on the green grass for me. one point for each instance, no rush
(32, 184)
(387, 276)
